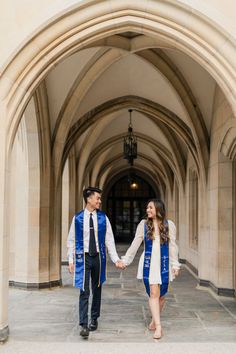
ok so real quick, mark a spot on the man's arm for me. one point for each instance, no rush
(110, 244)
(71, 245)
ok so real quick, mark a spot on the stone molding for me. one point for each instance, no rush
(207, 283)
(35, 286)
(219, 291)
(4, 333)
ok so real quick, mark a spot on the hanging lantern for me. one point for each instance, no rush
(130, 143)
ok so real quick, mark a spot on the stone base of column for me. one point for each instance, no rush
(207, 283)
(4, 333)
(35, 286)
(219, 291)
(64, 263)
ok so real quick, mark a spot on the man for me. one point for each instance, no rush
(90, 233)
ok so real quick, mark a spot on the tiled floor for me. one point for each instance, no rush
(191, 315)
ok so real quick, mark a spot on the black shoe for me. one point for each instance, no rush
(84, 332)
(93, 325)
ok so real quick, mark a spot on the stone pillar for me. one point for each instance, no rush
(73, 185)
(27, 248)
(182, 230)
(170, 205)
(45, 226)
(176, 208)
(225, 224)
(4, 247)
(216, 250)
(55, 234)
(203, 241)
(80, 201)
(65, 211)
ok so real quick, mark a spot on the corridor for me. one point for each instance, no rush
(191, 316)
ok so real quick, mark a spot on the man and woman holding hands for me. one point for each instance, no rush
(91, 234)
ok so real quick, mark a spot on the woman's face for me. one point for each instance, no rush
(151, 210)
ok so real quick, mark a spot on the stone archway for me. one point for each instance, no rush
(69, 33)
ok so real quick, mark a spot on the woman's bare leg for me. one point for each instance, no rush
(162, 301)
(154, 304)
(161, 305)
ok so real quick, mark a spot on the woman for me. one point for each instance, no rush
(159, 262)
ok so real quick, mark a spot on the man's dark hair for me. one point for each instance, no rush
(87, 192)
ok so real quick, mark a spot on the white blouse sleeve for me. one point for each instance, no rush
(173, 248)
(138, 239)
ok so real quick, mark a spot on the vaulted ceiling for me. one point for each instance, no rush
(171, 95)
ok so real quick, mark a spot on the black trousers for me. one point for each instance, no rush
(92, 271)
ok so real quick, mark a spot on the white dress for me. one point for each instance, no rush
(155, 274)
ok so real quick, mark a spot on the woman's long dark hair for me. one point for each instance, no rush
(161, 216)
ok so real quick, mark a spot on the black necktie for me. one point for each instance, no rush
(92, 242)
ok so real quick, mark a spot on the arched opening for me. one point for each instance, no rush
(126, 205)
(152, 34)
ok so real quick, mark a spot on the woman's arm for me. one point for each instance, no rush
(138, 239)
(173, 248)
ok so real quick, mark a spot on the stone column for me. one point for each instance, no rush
(65, 211)
(80, 202)
(182, 230)
(225, 225)
(4, 247)
(28, 243)
(176, 208)
(55, 234)
(73, 185)
(170, 205)
(216, 261)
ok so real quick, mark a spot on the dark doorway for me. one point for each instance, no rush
(126, 206)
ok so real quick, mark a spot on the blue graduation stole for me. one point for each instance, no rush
(164, 264)
(79, 248)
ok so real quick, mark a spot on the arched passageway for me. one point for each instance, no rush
(80, 73)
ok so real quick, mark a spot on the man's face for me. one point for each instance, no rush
(94, 200)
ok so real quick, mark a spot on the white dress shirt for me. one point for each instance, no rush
(109, 238)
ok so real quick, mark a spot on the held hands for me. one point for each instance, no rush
(120, 265)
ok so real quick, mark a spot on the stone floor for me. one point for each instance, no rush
(46, 321)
